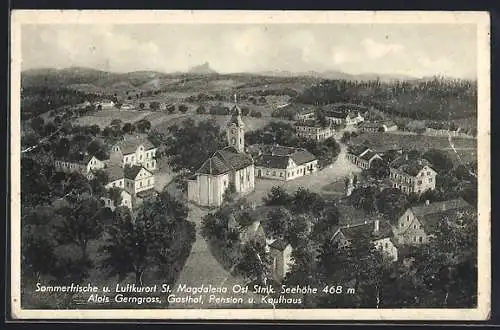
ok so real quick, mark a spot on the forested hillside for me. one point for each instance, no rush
(424, 99)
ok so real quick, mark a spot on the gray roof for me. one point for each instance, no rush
(114, 172)
(430, 215)
(130, 172)
(272, 161)
(278, 156)
(225, 160)
(368, 155)
(410, 167)
(366, 230)
(82, 159)
(128, 146)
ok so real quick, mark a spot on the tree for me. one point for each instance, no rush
(80, 223)
(159, 239)
(254, 263)
(171, 109)
(365, 198)
(277, 196)
(201, 110)
(440, 160)
(392, 202)
(143, 125)
(127, 128)
(100, 179)
(192, 144)
(154, 105)
(94, 130)
(245, 111)
(62, 148)
(305, 201)
(379, 169)
(256, 114)
(183, 108)
(278, 222)
(38, 124)
(116, 124)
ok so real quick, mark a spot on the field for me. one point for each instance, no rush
(466, 148)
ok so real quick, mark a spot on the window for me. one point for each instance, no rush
(113, 184)
(149, 182)
(120, 183)
(419, 182)
(430, 179)
(140, 157)
(274, 173)
(428, 173)
(408, 217)
(140, 184)
(420, 239)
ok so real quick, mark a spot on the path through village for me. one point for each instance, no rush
(202, 268)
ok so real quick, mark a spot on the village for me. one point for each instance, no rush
(251, 189)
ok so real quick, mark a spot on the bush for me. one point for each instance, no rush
(183, 108)
(256, 114)
(201, 110)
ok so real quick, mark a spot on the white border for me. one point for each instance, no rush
(481, 19)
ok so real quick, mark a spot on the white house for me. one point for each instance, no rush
(412, 176)
(283, 163)
(84, 165)
(363, 157)
(310, 129)
(377, 231)
(418, 223)
(134, 151)
(281, 256)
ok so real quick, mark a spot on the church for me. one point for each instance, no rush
(226, 167)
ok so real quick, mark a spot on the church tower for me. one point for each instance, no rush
(236, 129)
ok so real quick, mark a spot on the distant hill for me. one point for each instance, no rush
(338, 75)
(202, 69)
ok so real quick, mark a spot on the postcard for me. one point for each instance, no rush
(256, 165)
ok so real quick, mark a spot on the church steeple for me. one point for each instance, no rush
(236, 128)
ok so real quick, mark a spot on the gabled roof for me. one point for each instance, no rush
(366, 230)
(114, 172)
(368, 155)
(279, 156)
(410, 167)
(129, 146)
(278, 244)
(302, 156)
(272, 161)
(430, 215)
(82, 159)
(357, 150)
(225, 160)
(130, 172)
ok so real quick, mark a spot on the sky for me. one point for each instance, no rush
(410, 49)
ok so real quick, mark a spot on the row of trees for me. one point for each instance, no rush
(433, 99)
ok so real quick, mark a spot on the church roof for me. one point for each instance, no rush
(225, 160)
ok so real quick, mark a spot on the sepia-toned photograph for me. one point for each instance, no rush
(250, 165)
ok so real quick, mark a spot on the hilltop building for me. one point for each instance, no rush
(230, 166)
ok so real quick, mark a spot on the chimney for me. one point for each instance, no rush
(376, 226)
(427, 202)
